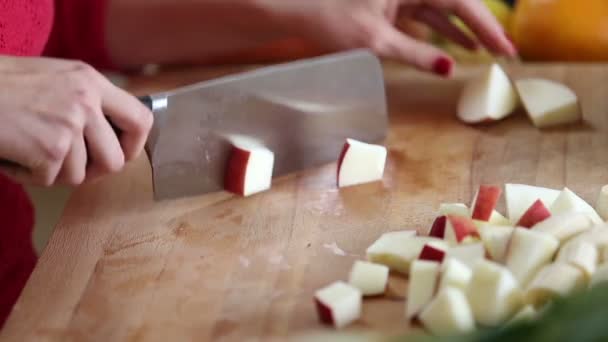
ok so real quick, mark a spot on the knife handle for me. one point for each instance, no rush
(147, 100)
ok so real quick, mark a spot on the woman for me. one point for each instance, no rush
(49, 108)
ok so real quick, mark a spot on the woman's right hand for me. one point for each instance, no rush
(56, 116)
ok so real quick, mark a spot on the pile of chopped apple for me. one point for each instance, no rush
(250, 165)
(478, 268)
(492, 96)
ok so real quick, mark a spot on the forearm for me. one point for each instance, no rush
(177, 31)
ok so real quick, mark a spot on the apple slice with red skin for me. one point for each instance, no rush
(249, 168)
(360, 163)
(535, 214)
(484, 202)
(519, 197)
(453, 229)
(338, 304)
(433, 252)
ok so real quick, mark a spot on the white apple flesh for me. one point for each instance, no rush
(360, 163)
(528, 251)
(554, 280)
(249, 168)
(496, 240)
(424, 277)
(568, 201)
(370, 278)
(454, 229)
(526, 314)
(338, 304)
(548, 103)
(493, 293)
(520, 197)
(458, 209)
(468, 254)
(487, 97)
(535, 214)
(602, 203)
(484, 202)
(455, 273)
(398, 249)
(565, 225)
(448, 313)
(600, 276)
(581, 254)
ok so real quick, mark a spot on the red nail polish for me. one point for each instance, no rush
(442, 66)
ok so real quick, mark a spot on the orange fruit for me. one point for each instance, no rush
(561, 30)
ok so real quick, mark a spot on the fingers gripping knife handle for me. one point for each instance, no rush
(151, 102)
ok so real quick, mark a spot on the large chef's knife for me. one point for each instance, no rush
(302, 111)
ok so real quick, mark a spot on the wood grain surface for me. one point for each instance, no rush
(120, 267)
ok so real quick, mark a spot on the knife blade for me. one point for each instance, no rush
(302, 111)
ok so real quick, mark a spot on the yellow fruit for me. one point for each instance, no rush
(561, 30)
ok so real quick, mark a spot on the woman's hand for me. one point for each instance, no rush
(56, 118)
(347, 24)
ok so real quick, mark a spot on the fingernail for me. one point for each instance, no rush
(442, 66)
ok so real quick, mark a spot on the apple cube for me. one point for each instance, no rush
(433, 252)
(468, 254)
(548, 103)
(398, 249)
(528, 251)
(249, 168)
(484, 202)
(494, 294)
(496, 240)
(581, 254)
(520, 197)
(487, 97)
(600, 275)
(453, 229)
(535, 214)
(457, 209)
(448, 313)
(371, 279)
(424, 276)
(526, 314)
(568, 201)
(602, 203)
(498, 219)
(565, 225)
(455, 273)
(338, 304)
(554, 280)
(360, 163)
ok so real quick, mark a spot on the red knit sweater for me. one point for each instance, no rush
(61, 28)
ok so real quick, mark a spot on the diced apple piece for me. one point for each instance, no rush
(487, 97)
(498, 219)
(603, 250)
(455, 273)
(520, 197)
(371, 279)
(493, 293)
(496, 240)
(469, 254)
(458, 209)
(360, 163)
(565, 225)
(554, 280)
(424, 277)
(453, 229)
(535, 214)
(602, 203)
(484, 202)
(568, 201)
(433, 252)
(600, 275)
(581, 254)
(528, 251)
(398, 249)
(526, 314)
(448, 313)
(548, 103)
(338, 304)
(249, 168)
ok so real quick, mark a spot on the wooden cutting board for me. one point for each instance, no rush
(218, 267)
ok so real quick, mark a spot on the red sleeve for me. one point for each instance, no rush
(79, 32)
